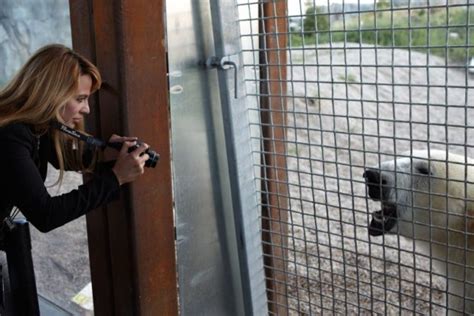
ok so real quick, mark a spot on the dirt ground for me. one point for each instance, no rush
(350, 108)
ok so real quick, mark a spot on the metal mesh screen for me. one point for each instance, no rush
(367, 82)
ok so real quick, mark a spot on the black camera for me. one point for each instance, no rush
(150, 163)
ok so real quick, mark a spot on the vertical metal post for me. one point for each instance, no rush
(131, 241)
(243, 190)
(273, 30)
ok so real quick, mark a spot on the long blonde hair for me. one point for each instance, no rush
(39, 91)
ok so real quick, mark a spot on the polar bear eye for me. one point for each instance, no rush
(423, 168)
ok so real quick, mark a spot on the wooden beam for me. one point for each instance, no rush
(131, 241)
(273, 45)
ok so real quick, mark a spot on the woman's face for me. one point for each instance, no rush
(73, 112)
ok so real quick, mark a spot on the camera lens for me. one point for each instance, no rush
(150, 163)
(154, 157)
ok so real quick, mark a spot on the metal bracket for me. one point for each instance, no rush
(224, 63)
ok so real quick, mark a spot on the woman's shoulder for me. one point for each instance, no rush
(16, 127)
(17, 131)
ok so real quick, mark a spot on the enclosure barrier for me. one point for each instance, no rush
(366, 82)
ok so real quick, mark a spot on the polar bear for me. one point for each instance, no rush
(428, 195)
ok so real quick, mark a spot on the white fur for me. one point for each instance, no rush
(437, 211)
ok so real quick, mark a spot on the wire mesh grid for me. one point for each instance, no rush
(366, 83)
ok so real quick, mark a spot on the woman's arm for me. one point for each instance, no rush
(21, 183)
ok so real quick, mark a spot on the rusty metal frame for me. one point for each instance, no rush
(131, 241)
(273, 30)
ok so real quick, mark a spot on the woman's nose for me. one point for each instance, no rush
(85, 108)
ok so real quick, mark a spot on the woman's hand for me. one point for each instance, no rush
(110, 153)
(129, 166)
(120, 139)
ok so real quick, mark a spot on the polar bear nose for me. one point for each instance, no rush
(373, 176)
(376, 183)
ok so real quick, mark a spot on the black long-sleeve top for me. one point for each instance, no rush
(23, 166)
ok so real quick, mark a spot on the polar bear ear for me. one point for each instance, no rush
(423, 167)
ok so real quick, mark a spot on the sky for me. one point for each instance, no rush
(294, 5)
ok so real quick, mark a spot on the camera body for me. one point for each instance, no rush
(150, 163)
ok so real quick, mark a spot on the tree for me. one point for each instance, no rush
(315, 20)
(382, 4)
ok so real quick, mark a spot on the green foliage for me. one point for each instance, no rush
(446, 33)
(382, 4)
(315, 20)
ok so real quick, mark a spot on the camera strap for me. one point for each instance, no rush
(79, 135)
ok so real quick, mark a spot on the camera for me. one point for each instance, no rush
(150, 163)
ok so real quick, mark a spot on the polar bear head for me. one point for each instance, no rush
(418, 190)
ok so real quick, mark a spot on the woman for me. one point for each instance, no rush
(54, 85)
